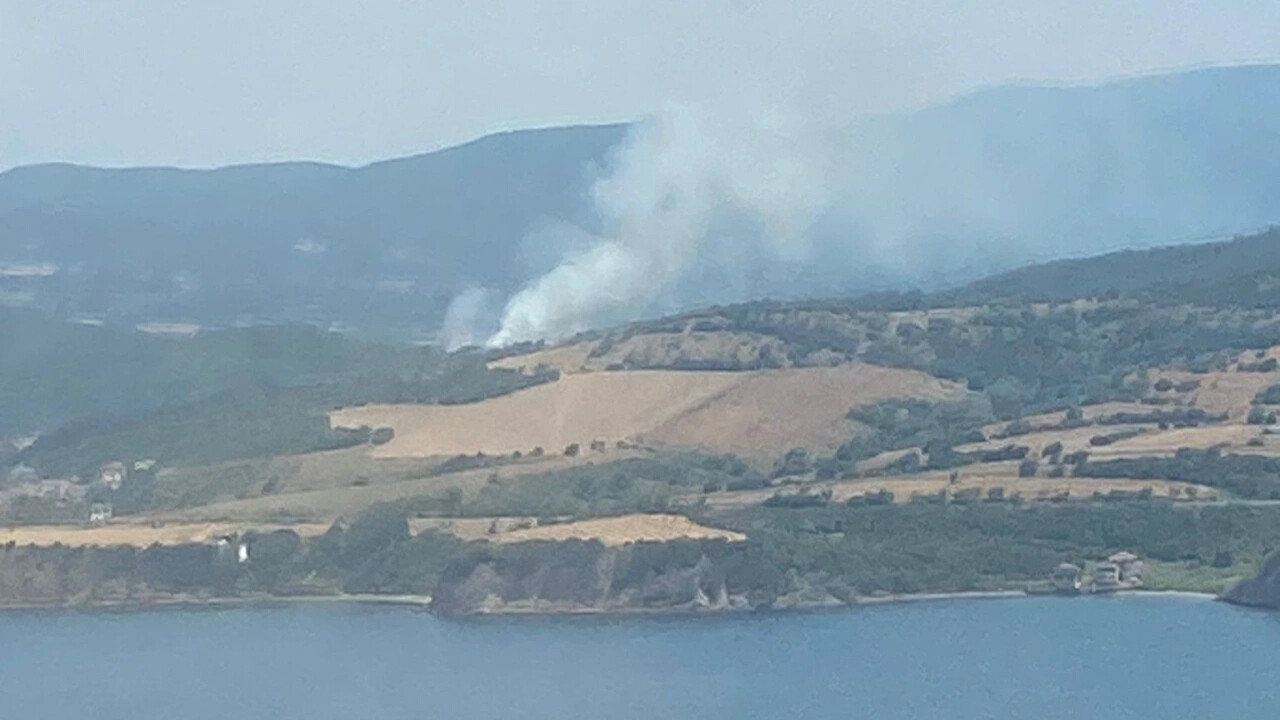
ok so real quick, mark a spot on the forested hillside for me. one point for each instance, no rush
(1226, 272)
(93, 392)
(382, 246)
(926, 199)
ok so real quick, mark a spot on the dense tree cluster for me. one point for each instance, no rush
(1246, 476)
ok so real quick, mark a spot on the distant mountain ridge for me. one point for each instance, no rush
(944, 196)
(1181, 272)
(384, 244)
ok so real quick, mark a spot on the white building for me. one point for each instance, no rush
(112, 475)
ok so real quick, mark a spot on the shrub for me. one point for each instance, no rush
(825, 468)
(795, 462)
(873, 498)
(802, 499)
(1017, 427)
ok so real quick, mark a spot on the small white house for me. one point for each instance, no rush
(99, 512)
(229, 546)
(112, 475)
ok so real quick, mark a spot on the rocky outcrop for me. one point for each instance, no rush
(586, 576)
(577, 575)
(1260, 591)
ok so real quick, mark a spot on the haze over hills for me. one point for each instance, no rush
(383, 246)
(796, 453)
(1183, 273)
(929, 199)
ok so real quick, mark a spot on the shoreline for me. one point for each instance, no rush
(423, 603)
(180, 602)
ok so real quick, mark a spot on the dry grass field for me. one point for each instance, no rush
(141, 534)
(649, 350)
(307, 472)
(770, 412)
(750, 413)
(1229, 392)
(326, 505)
(1091, 413)
(575, 409)
(616, 530)
(622, 530)
(565, 358)
(984, 477)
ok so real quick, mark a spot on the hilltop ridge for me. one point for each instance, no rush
(935, 198)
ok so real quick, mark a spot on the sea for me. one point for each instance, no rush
(1140, 657)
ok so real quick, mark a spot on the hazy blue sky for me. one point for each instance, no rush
(213, 82)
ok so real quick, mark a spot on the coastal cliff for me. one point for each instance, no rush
(1260, 591)
(586, 576)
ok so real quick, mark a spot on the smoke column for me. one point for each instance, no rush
(723, 203)
(681, 180)
(465, 314)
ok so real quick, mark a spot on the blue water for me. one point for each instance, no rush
(1043, 658)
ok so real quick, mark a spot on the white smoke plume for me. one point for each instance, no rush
(462, 320)
(683, 179)
(724, 203)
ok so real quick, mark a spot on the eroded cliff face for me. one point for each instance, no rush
(574, 575)
(577, 576)
(1260, 591)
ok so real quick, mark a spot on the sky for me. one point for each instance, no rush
(201, 84)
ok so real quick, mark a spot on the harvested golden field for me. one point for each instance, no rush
(621, 530)
(770, 412)
(751, 413)
(1201, 438)
(1072, 440)
(608, 406)
(652, 350)
(984, 477)
(617, 530)
(141, 534)
(565, 358)
(879, 462)
(1229, 392)
(203, 484)
(658, 350)
(469, 528)
(1044, 421)
(327, 504)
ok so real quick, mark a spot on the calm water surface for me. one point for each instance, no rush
(1132, 657)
